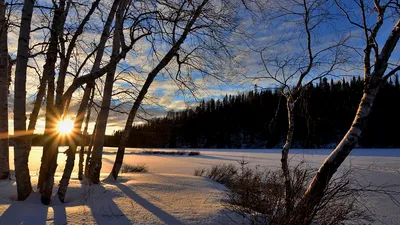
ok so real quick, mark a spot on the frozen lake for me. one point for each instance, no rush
(377, 166)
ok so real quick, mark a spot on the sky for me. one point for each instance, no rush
(262, 47)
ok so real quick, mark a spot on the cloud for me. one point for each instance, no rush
(281, 42)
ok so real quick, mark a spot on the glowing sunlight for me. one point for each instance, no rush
(65, 126)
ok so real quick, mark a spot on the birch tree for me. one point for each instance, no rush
(90, 88)
(4, 80)
(205, 21)
(55, 101)
(58, 108)
(120, 7)
(85, 137)
(21, 153)
(79, 118)
(295, 58)
(57, 55)
(50, 150)
(95, 163)
(377, 69)
(55, 106)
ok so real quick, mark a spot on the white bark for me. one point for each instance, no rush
(316, 189)
(285, 154)
(373, 82)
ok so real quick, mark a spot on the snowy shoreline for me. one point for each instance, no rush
(156, 197)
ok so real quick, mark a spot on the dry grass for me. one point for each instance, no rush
(193, 153)
(199, 172)
(139, 168)
(259, 195)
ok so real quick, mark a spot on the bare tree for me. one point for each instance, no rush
(50, 150)
(58, 101)
(136, 32)
(99, 133)
(4, 76)
(78, 120)
(188, 21)
(21, 154)
(53, 49)
(375, 75)
(85, 136)
(297, 58)
(95, 163)
(55, 106)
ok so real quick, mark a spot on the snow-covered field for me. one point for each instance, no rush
(169, 194)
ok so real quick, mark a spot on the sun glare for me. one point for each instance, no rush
(65, 126)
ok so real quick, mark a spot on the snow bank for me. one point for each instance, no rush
(136, 199)
(169, 194)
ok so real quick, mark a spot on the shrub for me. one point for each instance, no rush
(180, 152)
(223, 174)
(126, 168)
(259, 195)
(199, 172)
(193, 153)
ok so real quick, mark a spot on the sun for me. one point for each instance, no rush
(65, 126)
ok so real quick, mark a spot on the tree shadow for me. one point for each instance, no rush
(60, 215)
(103, 208)
(159, 213)
(30, 211)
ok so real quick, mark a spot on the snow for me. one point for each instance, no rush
(144, 198)
(169, 194)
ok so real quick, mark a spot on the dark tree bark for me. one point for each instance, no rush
(132, 114)
(21, 153)
(82, 108)
(85, 134)
(4, 68)
(50, 148)
(96, 159)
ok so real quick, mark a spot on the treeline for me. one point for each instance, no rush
(251, 120)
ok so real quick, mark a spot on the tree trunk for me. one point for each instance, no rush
(4, 151)
(69, 165)
(315, 191)
(95, 161)
(89, 151)
(11, 63)
(36, 108)
(285, 153)
(89, 87)
(161, 65)
(82, 108)
(85, 134)
(21, 154)
(50, 149)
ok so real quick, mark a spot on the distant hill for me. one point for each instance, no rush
(253, 120)
(248, 120)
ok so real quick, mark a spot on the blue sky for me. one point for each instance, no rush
(283, 41)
